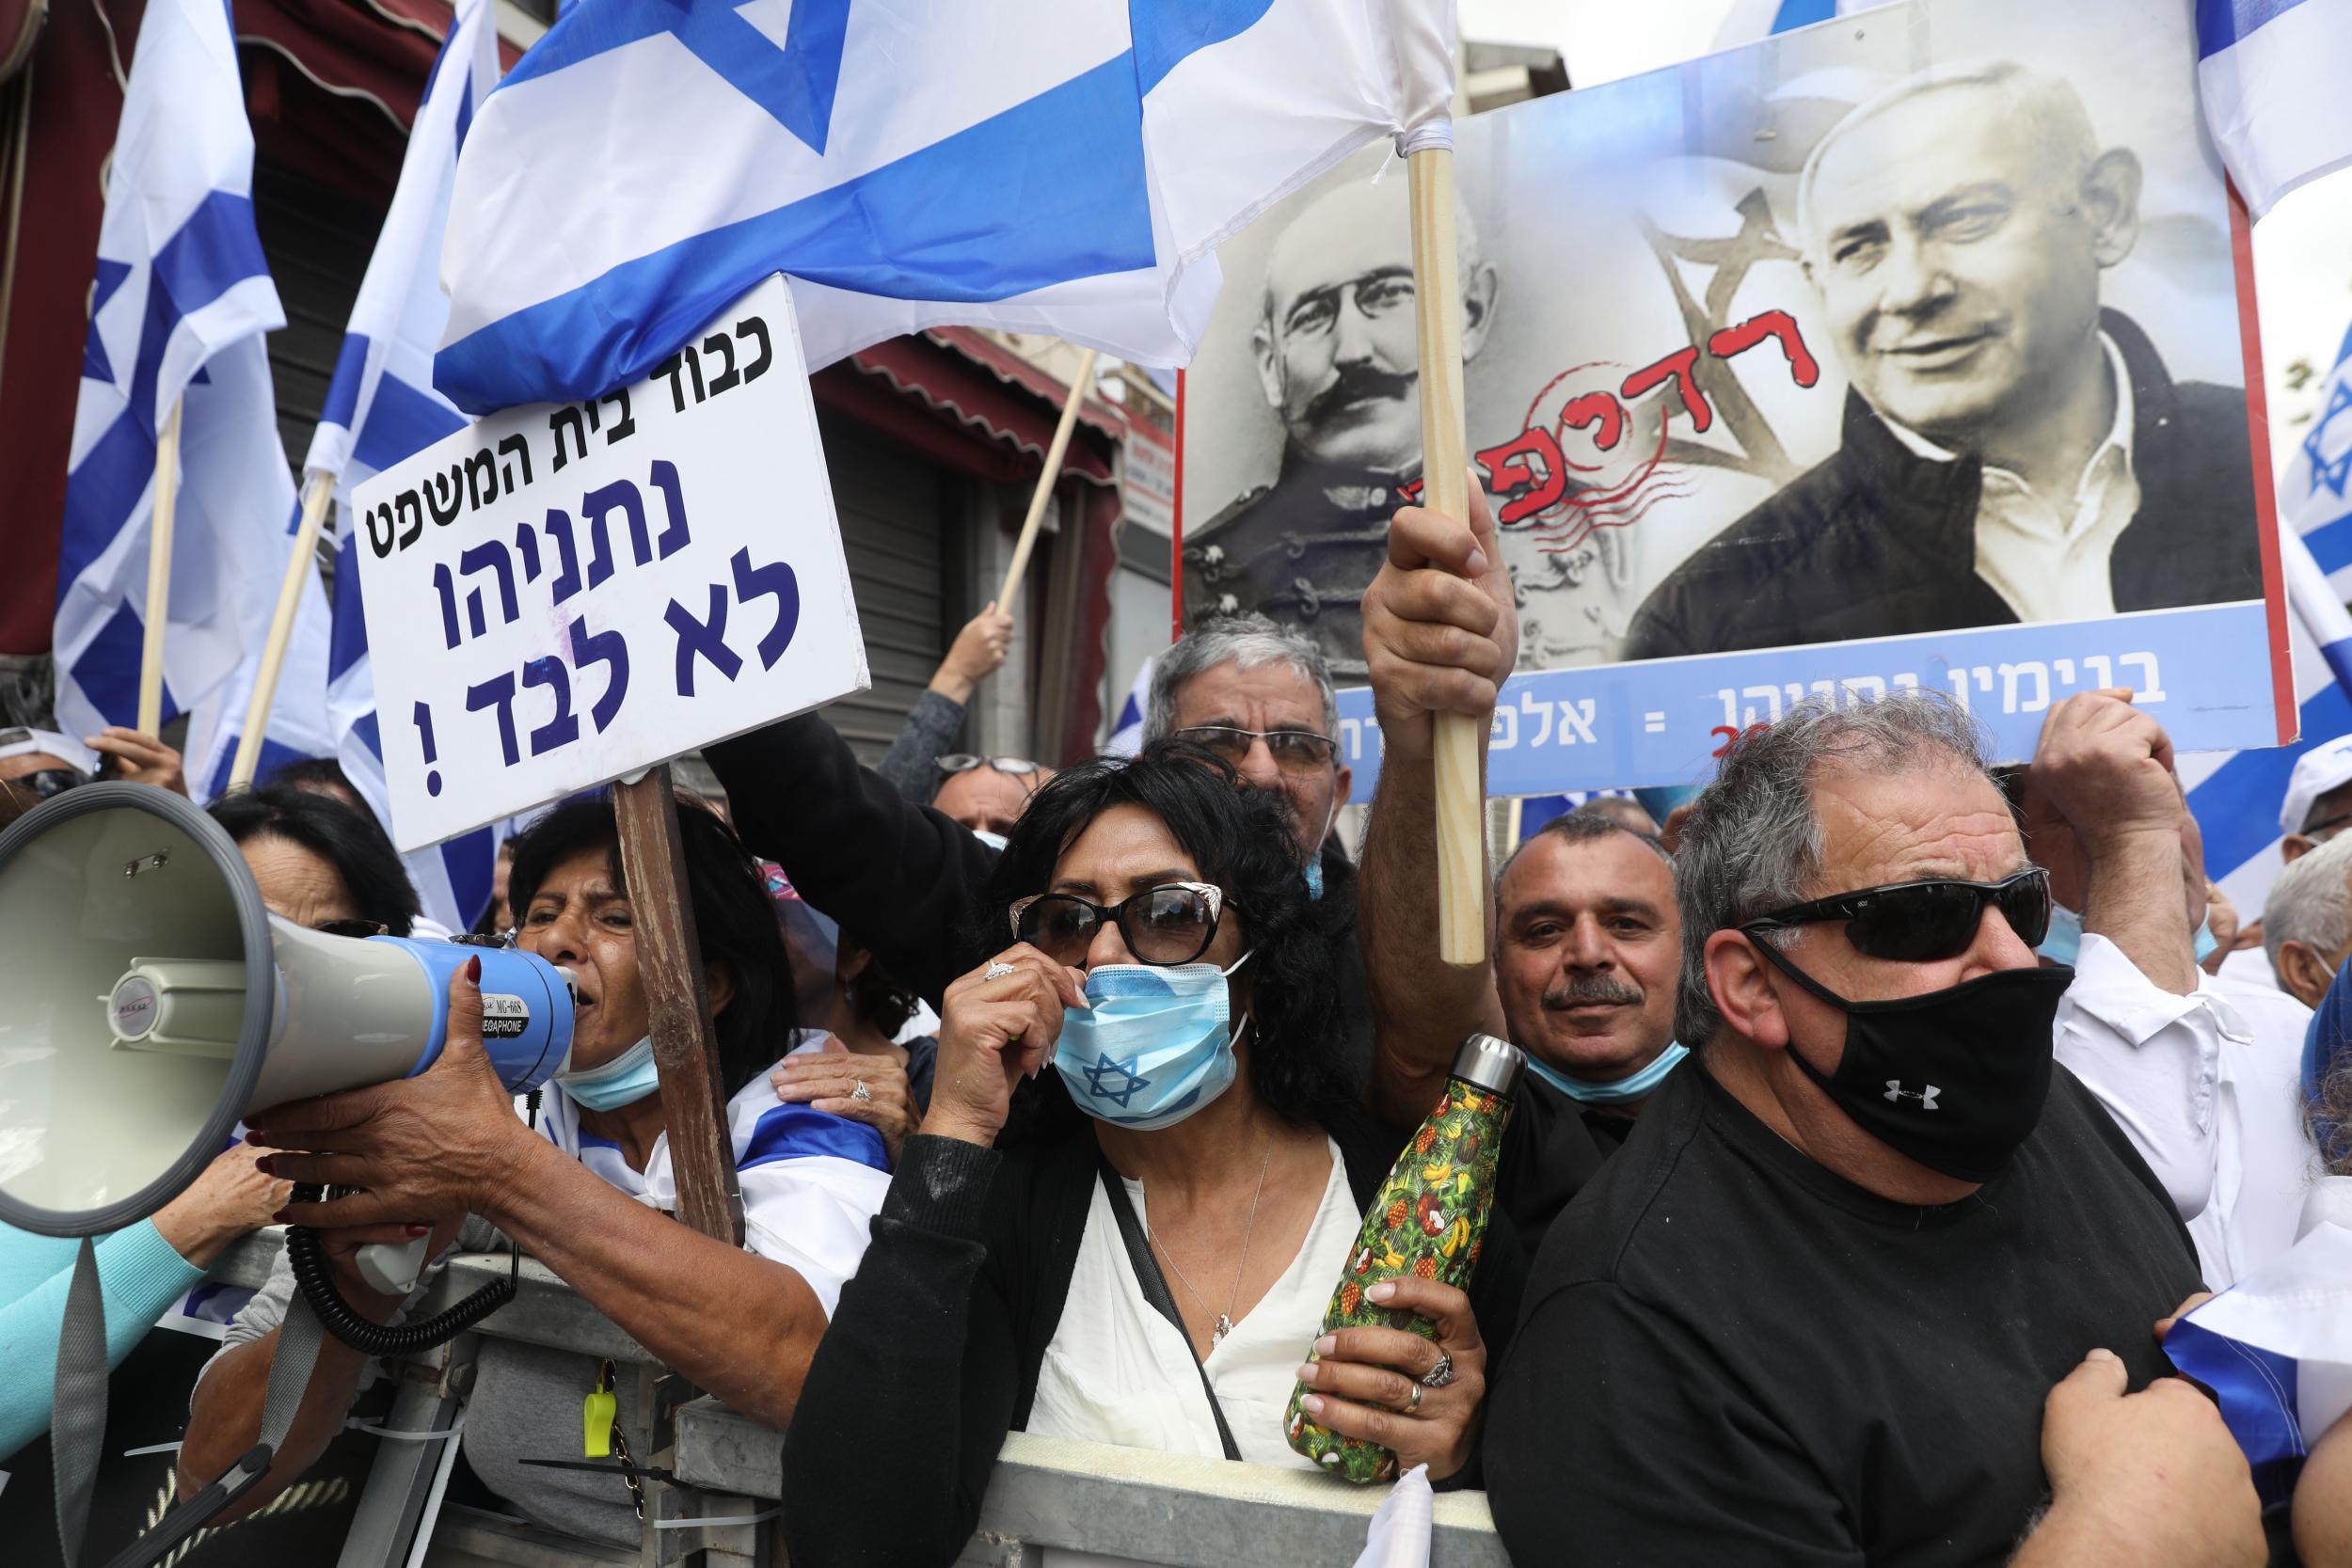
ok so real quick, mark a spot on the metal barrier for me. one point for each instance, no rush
(1175, 1509)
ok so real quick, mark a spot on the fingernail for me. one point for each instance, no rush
(473, 968)
(2100, 1355)
(283, 1216)
(1327, 1345)
(1381, 1291)
(266, 1165)
(1476, 563)
(1306, 1373)
(1311, 1404)
(417, 1230)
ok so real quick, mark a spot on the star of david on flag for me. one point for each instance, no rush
(1063, 166)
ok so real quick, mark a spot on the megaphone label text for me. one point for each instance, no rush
(504, 1016)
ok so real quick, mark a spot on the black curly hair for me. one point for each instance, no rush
(346, 839)
(733, 918)
(1243, 841)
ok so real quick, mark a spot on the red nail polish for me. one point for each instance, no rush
(473, 968)
(283, 1216)
(265, 1165)
(418, 1229)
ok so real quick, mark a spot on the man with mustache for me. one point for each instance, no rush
(1338, 365)
(2012, 451)
(1587, 942)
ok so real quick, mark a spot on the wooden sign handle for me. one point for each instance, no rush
(685, 1044)
(1445, 472)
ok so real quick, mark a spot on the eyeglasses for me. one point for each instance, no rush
(1378, 296)
(352, 927)
(50, 781)
(1171, 923)
(1294, 751)
(964, 762)
(1922, 921)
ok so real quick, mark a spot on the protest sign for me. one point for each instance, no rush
(560, 595)
(1910, 350)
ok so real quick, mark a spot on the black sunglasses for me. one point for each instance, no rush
(1171, 923)
(1922, 921)
(352, 928)
(50, 781)
(1294, 751)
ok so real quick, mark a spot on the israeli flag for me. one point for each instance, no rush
(298, 725)
(2271, 75)
(1127, 735)
(2236, 796)
(180, 303)
(2276, 1348)
(380, 409)
(1063, 167)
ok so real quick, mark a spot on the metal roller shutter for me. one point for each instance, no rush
(318, 242)
(894, 509)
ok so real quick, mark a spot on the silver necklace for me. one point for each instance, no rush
(1224, 1320)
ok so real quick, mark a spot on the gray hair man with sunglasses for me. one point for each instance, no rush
(1881, 1270)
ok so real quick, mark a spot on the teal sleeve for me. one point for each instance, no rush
(138, 1276)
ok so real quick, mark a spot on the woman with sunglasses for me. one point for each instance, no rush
(1139, 1178)
(587, 1191)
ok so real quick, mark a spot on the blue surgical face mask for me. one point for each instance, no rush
(2064, 942)
(1634, 1087)
(994, 841)
(1314, 856)
(625, 1080)
(1153, 1045)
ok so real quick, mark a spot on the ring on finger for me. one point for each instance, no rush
(996, 970)
(1413, 1406)
(861, 1092)
(1440, 1374)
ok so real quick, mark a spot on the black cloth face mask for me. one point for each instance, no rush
(1955, 1079)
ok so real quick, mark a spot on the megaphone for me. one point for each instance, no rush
(150, 1002)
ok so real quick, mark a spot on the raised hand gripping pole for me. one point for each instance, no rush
(1445, 471)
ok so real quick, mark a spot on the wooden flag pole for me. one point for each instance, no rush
(685, 1044)
(1050, 472)
(316, 497)
(1462, 897)
(158, 608)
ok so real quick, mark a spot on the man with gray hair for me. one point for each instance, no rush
(1880, 1269)
(2010, 452)
(2306, 921)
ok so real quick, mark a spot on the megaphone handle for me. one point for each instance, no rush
(390, 1268)
(197, 1511)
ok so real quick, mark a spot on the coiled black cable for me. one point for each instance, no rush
(316, 1278)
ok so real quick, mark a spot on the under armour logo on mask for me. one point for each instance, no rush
(1895, 1090)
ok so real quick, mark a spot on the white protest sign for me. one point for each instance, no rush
(561, 595)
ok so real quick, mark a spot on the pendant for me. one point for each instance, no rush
(1216, 1335)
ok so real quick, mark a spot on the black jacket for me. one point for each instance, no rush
(906, 882)
(934, 1349)
(1877, 541)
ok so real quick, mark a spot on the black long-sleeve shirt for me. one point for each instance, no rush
(934, 1349)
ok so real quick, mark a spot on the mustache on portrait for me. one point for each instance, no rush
(1583, 989)
(1355, 383)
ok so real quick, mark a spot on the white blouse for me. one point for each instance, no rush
(1116, 1372)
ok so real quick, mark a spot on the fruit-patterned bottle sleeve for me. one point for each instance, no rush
(1430, 1221)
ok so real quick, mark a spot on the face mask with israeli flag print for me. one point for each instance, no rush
(1153, 1045)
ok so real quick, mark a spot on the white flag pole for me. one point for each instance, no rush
(1045, 478)
(316, 497)
(1462, 897)
(158, 608)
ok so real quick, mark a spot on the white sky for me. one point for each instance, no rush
(2303, 250)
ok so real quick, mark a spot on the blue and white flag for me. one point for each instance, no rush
(1127, 735)
(180, 303)
(2271, 75)
(1063, 167)
(2276, 1348)
(2236, 796)
(299, 724)
(380, 409)
(1750, 20)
